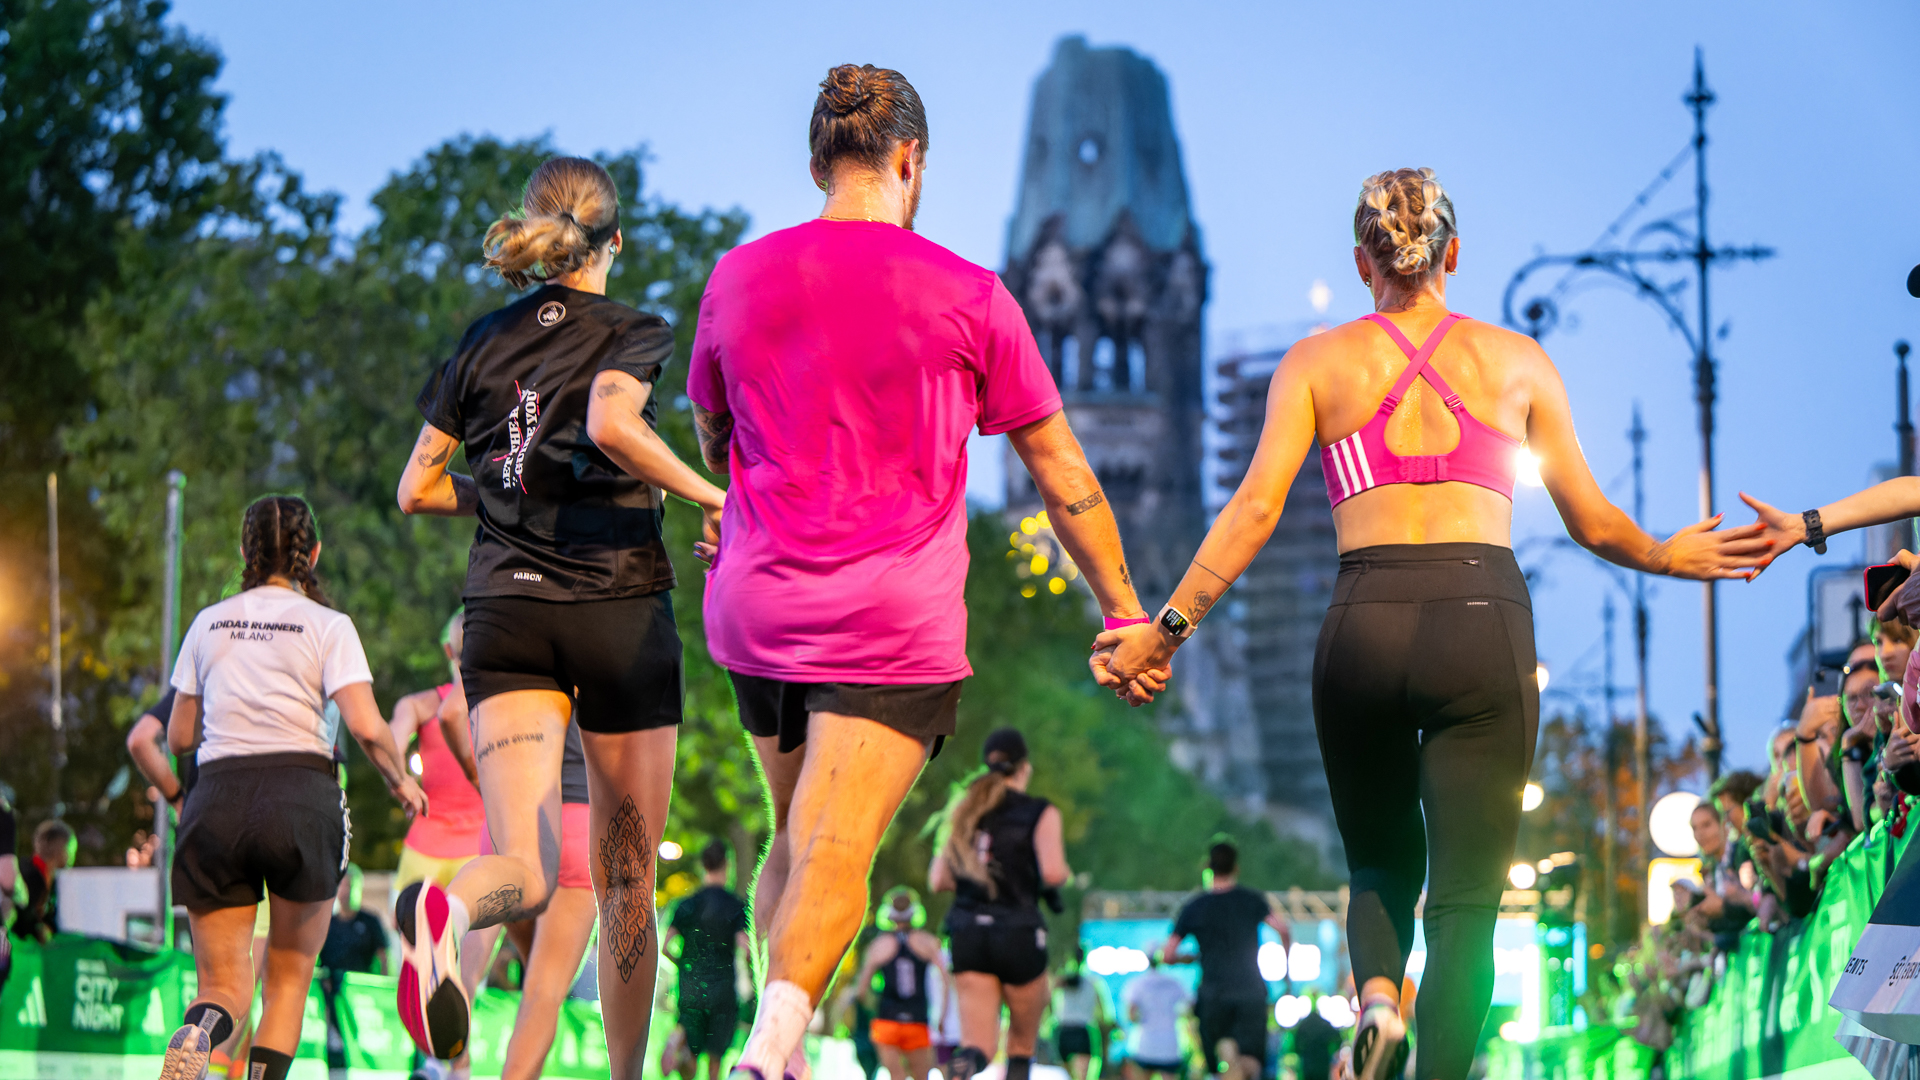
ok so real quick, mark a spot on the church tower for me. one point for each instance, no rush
(1105, 258)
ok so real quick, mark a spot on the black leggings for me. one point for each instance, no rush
(1425, 700)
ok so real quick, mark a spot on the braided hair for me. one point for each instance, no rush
(278, 535)
(1404, 220)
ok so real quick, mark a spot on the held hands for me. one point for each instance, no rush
(707, 548)
(1701, 552)
(1135, 662)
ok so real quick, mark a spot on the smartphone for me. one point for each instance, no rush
(1881, 581)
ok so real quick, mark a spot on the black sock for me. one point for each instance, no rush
(967, 1062)
(264, 1064)
(1019, 1068)
(216, 1020)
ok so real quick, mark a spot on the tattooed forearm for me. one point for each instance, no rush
(1202, 603)
(428, 459)
(1228, 581)
(609, 389)
(1086, 504)
(715, 431)
(626, 900)
(1660, 557)
(499, 906)
(510, 740)
(1126, 576)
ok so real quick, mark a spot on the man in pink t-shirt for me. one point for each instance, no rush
(838, 368)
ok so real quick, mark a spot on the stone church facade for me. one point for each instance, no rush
(1105, 258)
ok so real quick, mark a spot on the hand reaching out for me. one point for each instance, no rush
(1780, 529)
(1704, 552)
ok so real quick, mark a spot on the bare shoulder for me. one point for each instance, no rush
(883, 948)
(421, 702)
(1330, 346)
(1506, 345)
(925, 945)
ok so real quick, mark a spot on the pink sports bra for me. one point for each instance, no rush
(1484, 456)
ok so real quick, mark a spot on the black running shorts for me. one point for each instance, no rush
(620, 659)
(710, 1028)
(1073, 1040)
(1242, 1019)
(1013, 952)
(770, 707)
(272, 820)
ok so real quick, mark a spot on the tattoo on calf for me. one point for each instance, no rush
(499, 906)
(1086, 504)
(626, 906)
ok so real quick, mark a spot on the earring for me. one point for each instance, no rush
(1368, 282)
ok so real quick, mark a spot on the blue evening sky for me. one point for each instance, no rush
(1542, 120)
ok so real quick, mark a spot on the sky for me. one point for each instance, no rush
(1543, 121)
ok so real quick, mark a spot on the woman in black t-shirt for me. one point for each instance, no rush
(566, 597)
(1000, 851)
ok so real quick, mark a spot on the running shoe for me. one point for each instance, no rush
(433, 1002)
(1380, 1044)
(189, 1051)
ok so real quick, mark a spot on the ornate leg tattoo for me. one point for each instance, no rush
(502, 905)
(626, 911)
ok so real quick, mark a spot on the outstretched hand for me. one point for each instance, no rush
(1703, 552)
(1778, 527)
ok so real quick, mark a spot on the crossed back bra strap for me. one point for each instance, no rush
(1418, 361)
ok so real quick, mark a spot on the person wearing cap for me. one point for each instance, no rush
(1000, 852)
(906, 960)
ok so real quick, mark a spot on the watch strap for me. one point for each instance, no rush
(1816, 532)
(1175, 623)
(1111, 623)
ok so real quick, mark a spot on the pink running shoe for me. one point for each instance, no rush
(433, 1002)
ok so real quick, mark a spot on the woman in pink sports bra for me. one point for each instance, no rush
(1424, 690)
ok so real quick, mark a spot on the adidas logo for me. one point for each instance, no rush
(33, 1011)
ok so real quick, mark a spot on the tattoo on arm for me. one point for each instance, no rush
(1660, 557)
(1223, 578)
(609, 389)
(715, 431)
(1202, 603)
(1126, 576)
(1086, 504)
(626, 906)
(499, 906)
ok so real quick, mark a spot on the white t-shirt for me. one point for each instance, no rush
(1078, 1006)
(1155, 1037)
(264, 664)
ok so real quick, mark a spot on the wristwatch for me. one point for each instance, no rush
(1177, 626)
(1816, 533)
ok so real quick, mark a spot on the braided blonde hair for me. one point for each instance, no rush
(1404, 220)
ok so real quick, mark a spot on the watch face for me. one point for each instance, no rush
(1174, 622)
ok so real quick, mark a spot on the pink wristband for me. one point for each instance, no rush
(1111, 623)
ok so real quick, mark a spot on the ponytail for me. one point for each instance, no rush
(984, 792)
(568, 213)
(277, 537)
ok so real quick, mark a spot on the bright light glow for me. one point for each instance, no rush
(1532, 796)
(1056, 586)
(1336, 1010)
(414, 766)
(1526, 468)
(670, 850)
(1290, 1010)
(1014, 541)
(1116, 960)
(1522, 876)
(1510, 1031)
(1545, 866)
(1273, 962)
(1320, 297)
(1525, 963)
(1038, 564)
(1303, 961)
(1029, 526)
(1661, 874)
(1671, 824)
(1040, 519)
(1029, 591)
(1540, 676)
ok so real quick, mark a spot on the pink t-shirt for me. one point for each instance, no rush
(855, 357)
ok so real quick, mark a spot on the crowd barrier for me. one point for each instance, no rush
(82, 1008)
(1767, 1017)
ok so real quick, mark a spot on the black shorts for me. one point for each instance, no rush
(1242, 1019)
(1013, 952)
(619, 659)
(1073, 1040)
(278, 820)
(770, 707)
(710, 1028)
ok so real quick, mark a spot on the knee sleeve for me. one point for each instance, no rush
(214, 1020)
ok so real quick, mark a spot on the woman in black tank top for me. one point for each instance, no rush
(1000, 853)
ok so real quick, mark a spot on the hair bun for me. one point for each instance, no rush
(846, 88)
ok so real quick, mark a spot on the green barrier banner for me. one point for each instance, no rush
(1768, 1016)
(83, 1009)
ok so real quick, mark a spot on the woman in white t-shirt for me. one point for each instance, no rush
(267, 818)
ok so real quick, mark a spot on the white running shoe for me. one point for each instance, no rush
(189, 1051)
(1380, 1044)
(433, 1002)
